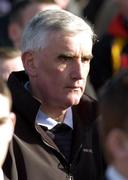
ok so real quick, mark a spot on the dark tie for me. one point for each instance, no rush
(62, 136)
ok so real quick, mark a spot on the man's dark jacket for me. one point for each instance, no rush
(34, 156)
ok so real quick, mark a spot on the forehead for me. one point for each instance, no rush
(4, 106)
(75, 42)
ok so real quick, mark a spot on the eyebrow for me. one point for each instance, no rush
(71, 56)
(65, 55)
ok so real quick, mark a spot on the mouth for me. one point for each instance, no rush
(74, 88)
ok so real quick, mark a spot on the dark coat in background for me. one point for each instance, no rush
(110, 52)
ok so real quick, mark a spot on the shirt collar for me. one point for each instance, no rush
(113, 174)
(44, 120)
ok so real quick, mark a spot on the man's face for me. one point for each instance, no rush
(62, 68)
(6, 127)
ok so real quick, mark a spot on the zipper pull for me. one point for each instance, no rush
(69, 177)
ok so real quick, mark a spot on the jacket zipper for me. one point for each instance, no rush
(69, 176)
(66, 166)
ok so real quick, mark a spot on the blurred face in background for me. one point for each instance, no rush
(63, 3)
(15, 29)
(9, 65)
(117, 147)
(7, 122)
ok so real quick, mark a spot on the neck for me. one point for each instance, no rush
(53, 111)
(56, 114)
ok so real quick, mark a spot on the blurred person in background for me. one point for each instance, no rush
(113, 125)
(10, 60)
(21, 13)
(5, 7)
(111, 52)
(7, 123)
(108, 10)
(100, 13)
(73, 6)
(14, 22)
(91, 9)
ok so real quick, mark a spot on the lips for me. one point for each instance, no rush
(76, 88)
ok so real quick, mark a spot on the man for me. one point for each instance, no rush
(7, 122)
(10, 60)
(113, 125)
(56, 54)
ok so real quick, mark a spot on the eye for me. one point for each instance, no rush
(85, 60)
(65, 58)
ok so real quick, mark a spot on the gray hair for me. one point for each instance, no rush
(45, 22)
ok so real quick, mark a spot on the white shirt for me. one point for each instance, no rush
(113, 174)
(44, 120)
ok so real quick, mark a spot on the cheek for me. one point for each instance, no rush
(49, 85)
(61, 68)
(86, 69)
(6, 131)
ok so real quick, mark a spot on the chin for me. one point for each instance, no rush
(74, 101)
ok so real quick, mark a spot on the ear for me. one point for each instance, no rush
(13, 118)
(28, 59)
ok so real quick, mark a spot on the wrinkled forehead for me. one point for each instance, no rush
(81, 36)
(70, 41)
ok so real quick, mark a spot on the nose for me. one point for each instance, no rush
(80, 70)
